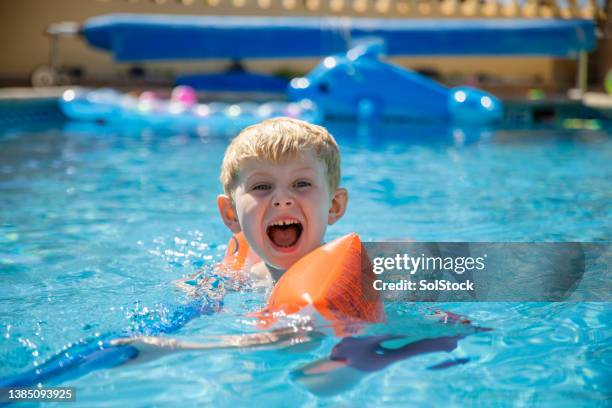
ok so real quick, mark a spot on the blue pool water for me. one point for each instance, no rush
(96, 222)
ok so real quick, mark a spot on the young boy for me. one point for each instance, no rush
(280, 180)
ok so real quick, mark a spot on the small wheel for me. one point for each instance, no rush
(44, 76)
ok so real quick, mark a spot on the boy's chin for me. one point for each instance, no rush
(284, 261)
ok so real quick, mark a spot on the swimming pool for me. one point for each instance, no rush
(97, 221)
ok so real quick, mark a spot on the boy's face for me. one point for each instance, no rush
(283, 209)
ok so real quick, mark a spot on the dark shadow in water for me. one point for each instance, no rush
(354, 358)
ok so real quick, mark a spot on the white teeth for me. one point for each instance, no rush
(285, 222)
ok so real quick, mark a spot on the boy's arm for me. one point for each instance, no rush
(279, 336)
(150, 348)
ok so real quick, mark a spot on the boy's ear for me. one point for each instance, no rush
(228, 213)
(338, 205)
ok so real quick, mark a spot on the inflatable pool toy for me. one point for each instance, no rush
(184, 95)
(361, 84)
(181, 111)
(331, 279)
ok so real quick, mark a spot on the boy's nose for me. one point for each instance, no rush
(287, 202)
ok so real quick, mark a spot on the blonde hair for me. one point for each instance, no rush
(275, 140)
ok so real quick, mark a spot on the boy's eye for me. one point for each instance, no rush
(301, 184)
(262, 187)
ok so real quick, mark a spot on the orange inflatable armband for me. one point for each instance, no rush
(336, 279)
(238, 256)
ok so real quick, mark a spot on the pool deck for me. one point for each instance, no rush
(13, 94)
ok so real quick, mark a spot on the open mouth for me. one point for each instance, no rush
(285, 234)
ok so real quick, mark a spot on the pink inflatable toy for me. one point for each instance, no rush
(185, 95)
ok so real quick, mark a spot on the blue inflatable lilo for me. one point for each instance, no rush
(181, 110)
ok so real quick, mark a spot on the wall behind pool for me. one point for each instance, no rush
(24, 45)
